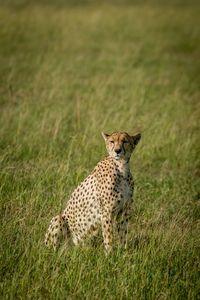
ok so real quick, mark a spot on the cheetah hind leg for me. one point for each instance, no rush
(57, 230)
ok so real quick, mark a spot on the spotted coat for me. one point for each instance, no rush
(105, 193)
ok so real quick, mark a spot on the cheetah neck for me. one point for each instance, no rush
(123, 167)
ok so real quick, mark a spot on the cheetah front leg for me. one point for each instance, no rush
(122, 224)
(123, 218)
(123, 231)
(107, 231)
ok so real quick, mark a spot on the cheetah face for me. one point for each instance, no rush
(120, 145)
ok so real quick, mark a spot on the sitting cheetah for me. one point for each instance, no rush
(107, 191)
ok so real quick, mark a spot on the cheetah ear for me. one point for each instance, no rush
(105, 136)
(136, 138)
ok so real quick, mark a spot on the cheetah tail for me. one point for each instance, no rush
(58, 229)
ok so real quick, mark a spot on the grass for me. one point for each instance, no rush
(70, 70)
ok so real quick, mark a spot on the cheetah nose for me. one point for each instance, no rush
(117, 151)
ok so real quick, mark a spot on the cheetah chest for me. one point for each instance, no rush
(125, 193)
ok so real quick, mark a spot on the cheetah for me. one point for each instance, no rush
(105, 193)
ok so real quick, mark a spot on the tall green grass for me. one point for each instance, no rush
(70, 70)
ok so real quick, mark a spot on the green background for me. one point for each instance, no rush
(69, 70)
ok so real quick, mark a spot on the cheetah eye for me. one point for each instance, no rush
(112, 142)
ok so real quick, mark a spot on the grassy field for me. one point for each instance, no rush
(69, 70)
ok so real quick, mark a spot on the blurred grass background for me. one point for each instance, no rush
(69, 70)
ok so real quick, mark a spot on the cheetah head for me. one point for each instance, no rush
(120, 145)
